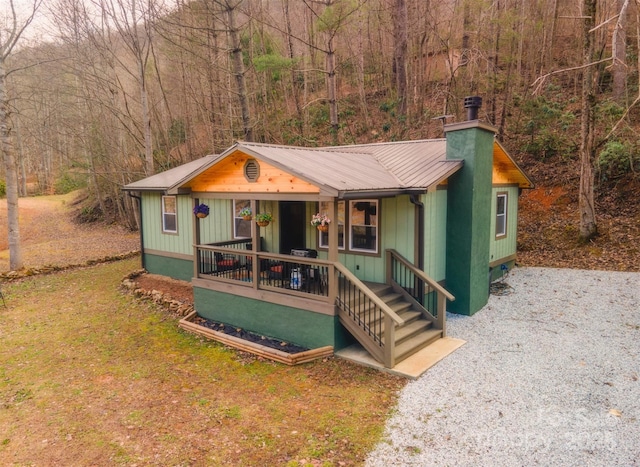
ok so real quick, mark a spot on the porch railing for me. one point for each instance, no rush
(293, 275)
(367, 316)
(429, 296)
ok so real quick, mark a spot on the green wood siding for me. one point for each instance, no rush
(397, 230)
(435, 234)
(218, 226)
(301, 327)
(506, 246)
(180, 269)
(154, 238)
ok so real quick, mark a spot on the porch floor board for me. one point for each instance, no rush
(412, 367)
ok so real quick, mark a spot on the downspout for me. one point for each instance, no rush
(139, 198)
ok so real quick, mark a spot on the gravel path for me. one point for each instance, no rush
(550, 375)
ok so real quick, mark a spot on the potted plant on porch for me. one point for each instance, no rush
(201, 211)
(321, 221)
(263, 219)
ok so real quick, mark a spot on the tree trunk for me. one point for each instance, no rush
(332, 90)
(620, 53)
(11, 173)
(588, 226)
(294, 85)
(238, 72)
(400, 54)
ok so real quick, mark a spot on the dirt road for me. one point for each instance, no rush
(49, 236)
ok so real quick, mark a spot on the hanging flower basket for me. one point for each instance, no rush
(246, 214)
(201, 211)
(321, 221)
(263, 219)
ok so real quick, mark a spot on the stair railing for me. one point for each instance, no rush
(419, 288)
(366, 316)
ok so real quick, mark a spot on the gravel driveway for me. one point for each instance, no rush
(550, 375)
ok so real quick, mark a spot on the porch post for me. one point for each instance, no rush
(196, 238)
(333, 247)
(255, 247)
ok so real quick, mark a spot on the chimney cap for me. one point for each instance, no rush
(472, 101)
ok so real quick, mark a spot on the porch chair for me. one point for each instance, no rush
(276, 273)
(226, 262)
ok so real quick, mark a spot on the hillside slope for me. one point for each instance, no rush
(549, 221)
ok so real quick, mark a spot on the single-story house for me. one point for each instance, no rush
(414, 228)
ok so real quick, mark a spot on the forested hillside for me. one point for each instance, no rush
(122, 89)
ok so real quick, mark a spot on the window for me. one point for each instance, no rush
(169, 214)
(323, 241)
(357, 226)
(501, 215)
(363, 222)
(241, 227)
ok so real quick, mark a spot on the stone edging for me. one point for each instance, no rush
(175, 307)
(49, 269)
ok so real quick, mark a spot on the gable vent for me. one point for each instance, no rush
(251, 170)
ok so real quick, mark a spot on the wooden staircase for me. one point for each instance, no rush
(392, 321)
(416, 333)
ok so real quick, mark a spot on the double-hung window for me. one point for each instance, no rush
(501, 215)
(363, 223)
(358, 222)
(169, 215)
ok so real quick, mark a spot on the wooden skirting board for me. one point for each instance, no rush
(257, 349)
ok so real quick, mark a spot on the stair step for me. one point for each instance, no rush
(416, 343)
(409, 330)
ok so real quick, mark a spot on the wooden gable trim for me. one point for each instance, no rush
(227, 176)
(506, 171)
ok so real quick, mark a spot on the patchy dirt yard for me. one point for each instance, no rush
(92, 376)
(50, 237)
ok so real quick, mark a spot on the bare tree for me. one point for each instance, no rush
(619, 52)
(10, 33)
(400, 31)
(132, 21)
(588, 226)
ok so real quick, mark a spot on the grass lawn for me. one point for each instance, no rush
(89, 376)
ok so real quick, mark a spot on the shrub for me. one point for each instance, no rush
(3, 189)
(616, 159)
(69, 182)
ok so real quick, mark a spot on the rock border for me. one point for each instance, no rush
(173, 306)
(50, 268)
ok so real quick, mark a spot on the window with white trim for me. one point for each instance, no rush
(323, 241)
(501, 215)
(363, 225)
(169, 214)
(241, 227)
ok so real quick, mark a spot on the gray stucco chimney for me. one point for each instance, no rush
(472, 104)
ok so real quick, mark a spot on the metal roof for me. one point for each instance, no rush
(392, 167)
(171, 177)
(382, 167)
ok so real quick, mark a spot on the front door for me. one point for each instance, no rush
(292, 226)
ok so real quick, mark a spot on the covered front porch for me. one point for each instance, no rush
(307, 295)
